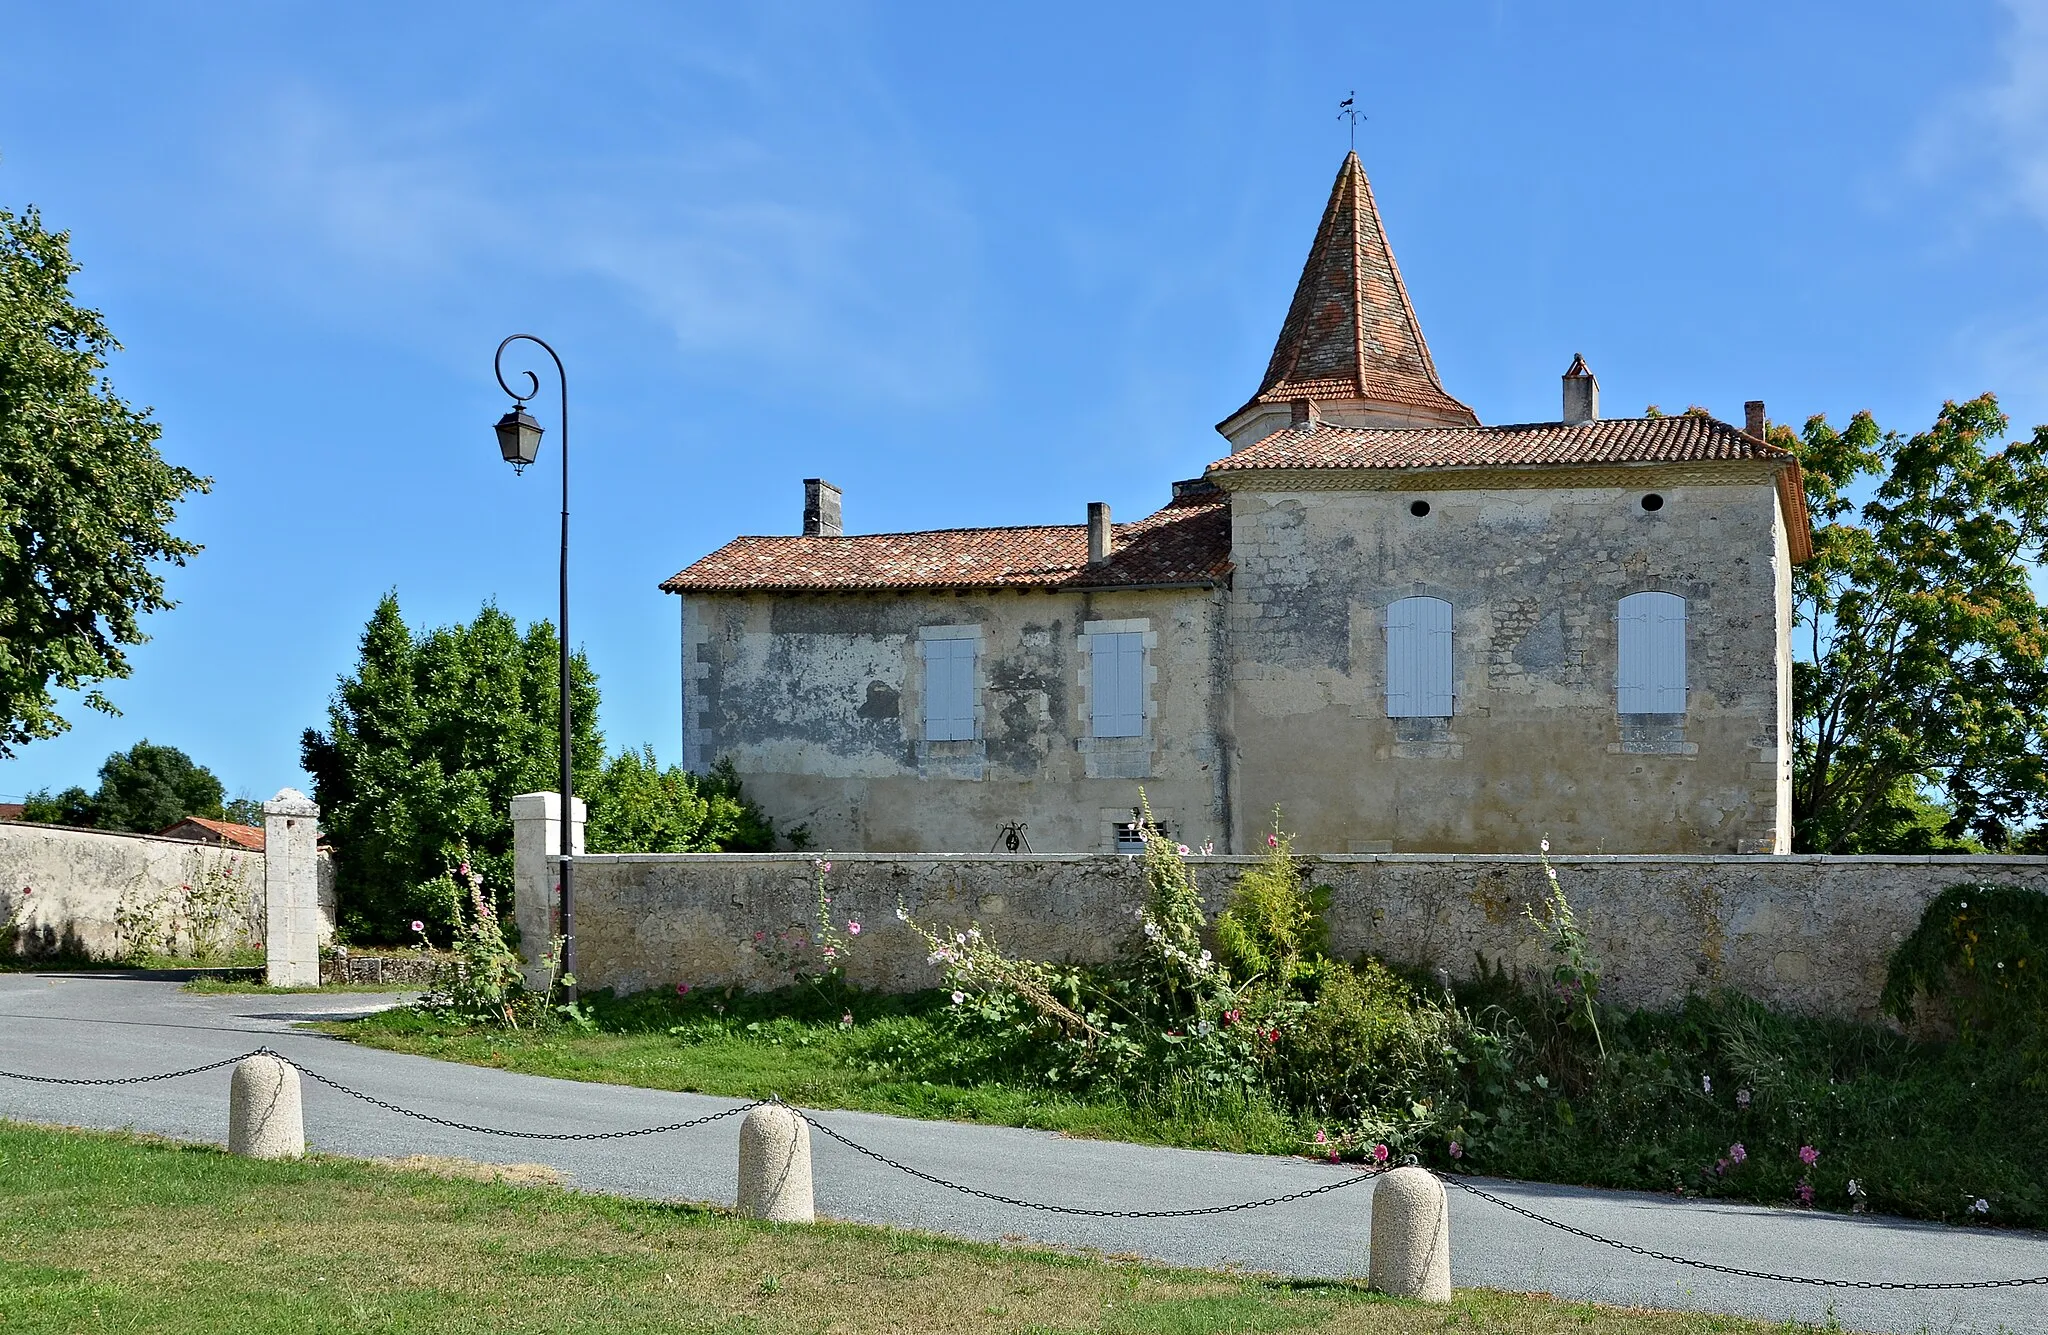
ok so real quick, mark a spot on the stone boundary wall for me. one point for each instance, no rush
(79, 876)
(1806, 933)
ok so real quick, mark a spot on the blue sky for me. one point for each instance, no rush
(975, 266)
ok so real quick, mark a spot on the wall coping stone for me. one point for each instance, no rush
(1989, 862)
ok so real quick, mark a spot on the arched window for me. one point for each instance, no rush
(1650, 673)
(1419, 658)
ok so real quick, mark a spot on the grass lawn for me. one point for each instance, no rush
(753, 1051)
(121, 1233)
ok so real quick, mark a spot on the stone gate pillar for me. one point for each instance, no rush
(291, 890)
(536, 899)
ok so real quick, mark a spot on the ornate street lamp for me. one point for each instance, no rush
(519, 441)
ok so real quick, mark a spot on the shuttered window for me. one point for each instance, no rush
(1419, 658)
(1117, 688)
(949, 690)
(1650, 672)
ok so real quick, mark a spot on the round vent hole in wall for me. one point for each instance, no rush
(1418, 508)
(1653, 502)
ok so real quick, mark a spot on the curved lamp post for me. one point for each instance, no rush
(519, 441)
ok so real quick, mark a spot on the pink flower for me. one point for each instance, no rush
(1333, 1154)
(1808, 1155)
(418, 926)
(1321, 1139)
(1457, 1150)
(853, 927)
(1736, 1154)
(1232, 1017)
(846, 1020)
(682, 989)
(1805, 1193)
(825, 867)
(1272, 841)
(1273, 1036)
(829, 953)
(1183, 849)
(1380, 1152)
(1720, 1168)
(760, 936)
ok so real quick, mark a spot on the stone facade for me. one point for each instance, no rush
(819, 702)
(1534, 746)
(1806, 933)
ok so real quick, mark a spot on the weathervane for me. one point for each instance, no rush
(1348, 110)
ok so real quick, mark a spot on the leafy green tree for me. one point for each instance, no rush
(426, 744)
(638, 807)
(85, 499)
(1924, 690)
(142, 789)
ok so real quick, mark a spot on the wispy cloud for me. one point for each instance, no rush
(2000, 130)
(847, 263)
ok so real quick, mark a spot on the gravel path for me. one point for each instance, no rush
(101, 1025)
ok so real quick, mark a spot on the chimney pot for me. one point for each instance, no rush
(1753, 418)
(1304, 412)
(1101, 538)
(821, 509)
(1581, 392)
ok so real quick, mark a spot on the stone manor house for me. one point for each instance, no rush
(1411, 632)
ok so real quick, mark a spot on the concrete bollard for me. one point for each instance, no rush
(775, 1166)
(1411, 1236)
(264, 1116)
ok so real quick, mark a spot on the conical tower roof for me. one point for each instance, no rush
(1351, 332)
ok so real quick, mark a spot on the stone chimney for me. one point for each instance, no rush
(1753, 418)
(1101, 538)
(1305, 413)
(821, 509)
(1581, 392)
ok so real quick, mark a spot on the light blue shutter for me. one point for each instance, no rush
(1650, 658)
(1419, 658)
(1117, 697)
(949, 690)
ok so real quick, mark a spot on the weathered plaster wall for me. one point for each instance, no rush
(79, 876)
(1803, 932)
(819, 701)
(1535, 747)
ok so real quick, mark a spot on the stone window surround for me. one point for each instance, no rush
(1113, 757)
(950, 759)
(1652, 734)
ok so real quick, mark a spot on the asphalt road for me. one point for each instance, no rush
(87, 1025)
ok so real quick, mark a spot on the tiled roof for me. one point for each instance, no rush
(11, 810)
(248, 836)
(1688, 439)
(1186, 543)
(1608, 440)
(1351, 332)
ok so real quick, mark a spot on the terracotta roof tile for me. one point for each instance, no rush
(248, 836)
(1608, 440)
(1185, 543)
(1351, 331)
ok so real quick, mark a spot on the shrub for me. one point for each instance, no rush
(1983, 951)
(1275, 926)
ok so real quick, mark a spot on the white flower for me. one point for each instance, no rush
(1855, 1187)
(960, 938)
(1980, 1206)
(1152, 930)
(974, 934)
(1543, 844)
(959, 997)
(902, 914)
(1706, 1084)
(1205, 957)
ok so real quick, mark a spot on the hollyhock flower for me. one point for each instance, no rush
(1232, 1017)
(1333, 1155)
(418, 926)
(1720, 1168)
(902, 914)
(1808, 1155)
(1980, 1206)
(853, 927)
(1321, 1139)
(1183, 848)
(1380, 1153)
(1805, 1193)
(1273, 1036)
(1736, 1153)
(846, 1020)
(959, 997)
(1457, 1150)
(682, 989)
(1742, 1098)
(1272, 841)
(825, 867)
(1543, 844)
(1706, 1084)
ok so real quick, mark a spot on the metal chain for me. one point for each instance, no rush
(133, 1079)
(1077, 1210)
(1043, 1206)
(1737, 1270)
(374, 1101)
